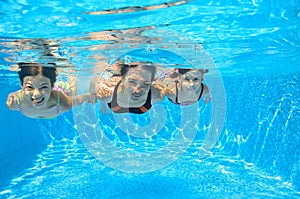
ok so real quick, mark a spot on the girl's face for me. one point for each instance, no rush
(37, 90)
(191, 81)
(137, 83)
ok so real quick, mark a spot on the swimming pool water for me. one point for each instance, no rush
(253, 44)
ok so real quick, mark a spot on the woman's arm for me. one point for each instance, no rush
(80, 99)
(105, 88)
(67, 102)
(157, 93)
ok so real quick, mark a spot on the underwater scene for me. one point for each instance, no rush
(160, 99)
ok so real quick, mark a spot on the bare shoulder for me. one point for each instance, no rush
(206, 89)
(206, 94)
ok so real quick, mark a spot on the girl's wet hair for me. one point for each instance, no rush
(179, 71)
(124, 68)
(183, 70)
(34, 69)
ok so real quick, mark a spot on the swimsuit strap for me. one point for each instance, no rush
(176, 98)
(202, 88)
(113, 102)
(113, 105)
(58, 102)
(145, 107)
(147, 104)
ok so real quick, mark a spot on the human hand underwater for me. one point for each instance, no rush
(11, 101)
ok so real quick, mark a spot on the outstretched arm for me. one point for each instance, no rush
(80, 99)
(105, 88)
(157, 92)
(67, 102)
(12, 101)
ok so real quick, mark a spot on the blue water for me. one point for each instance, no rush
(255, 48)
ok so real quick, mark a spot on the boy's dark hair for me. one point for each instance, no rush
(34, 69)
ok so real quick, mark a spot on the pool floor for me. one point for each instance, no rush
(67, 170)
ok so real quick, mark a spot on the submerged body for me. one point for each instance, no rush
(38, 97)
(185, 86)
(132, 91)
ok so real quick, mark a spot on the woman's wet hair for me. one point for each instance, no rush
(34, 69)
(124, 68)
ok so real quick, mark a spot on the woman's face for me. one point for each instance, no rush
(191, 81)
(137, 83)
(37, 90)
